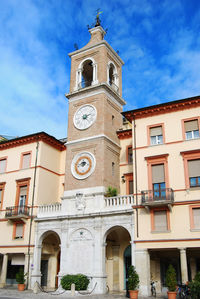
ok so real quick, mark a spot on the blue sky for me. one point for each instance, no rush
(159, 41)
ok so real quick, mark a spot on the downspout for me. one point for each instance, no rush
(136, 187)
(31, 219)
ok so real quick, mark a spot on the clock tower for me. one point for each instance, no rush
(93, 230)
(95, 106)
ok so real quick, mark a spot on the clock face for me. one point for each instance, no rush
(84, 117)
(83, 165)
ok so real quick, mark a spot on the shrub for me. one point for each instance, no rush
(195, 287)
(133, 278)
(111, 192)
(81, 282)
(20, 276)
(171, 281)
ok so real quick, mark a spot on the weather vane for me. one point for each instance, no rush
(98, 21)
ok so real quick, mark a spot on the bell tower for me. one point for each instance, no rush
(95, 106)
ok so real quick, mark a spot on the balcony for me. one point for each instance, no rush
(157, 198)
(17, 212)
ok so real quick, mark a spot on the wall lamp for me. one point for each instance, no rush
(123, 179)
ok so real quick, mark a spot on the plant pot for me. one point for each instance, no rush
(171, 295)
(133, 294)
(21, 286)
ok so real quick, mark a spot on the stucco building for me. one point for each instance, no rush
(31, 173)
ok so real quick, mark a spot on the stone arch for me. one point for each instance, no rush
(44, 234)
(47, 258)
(117, 238)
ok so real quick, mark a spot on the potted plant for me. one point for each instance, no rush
(194, 286)
(171, 282)
(20, 278)
(133, 282)
(111, 192)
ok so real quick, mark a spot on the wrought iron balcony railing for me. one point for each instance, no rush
(17, 212)
(162, 196)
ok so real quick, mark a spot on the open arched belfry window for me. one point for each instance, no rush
(86, 74)
(113, 76)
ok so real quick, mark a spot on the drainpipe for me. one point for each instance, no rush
(31, 219)
(136, 187)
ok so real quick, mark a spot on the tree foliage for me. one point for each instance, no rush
(133, 278)
(171, 281)
(195, 287)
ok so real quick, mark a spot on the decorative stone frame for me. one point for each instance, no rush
(187, 156)
(80, 70)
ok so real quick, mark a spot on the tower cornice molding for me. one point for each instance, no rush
(92, 138)
(91, 90)
(99, 44)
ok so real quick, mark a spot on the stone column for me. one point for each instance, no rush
(4, 271)
(143, 269)
(94, 79)
(184, 270)
(115, 252)
(132, 253)
(99, 277)
(36, 274)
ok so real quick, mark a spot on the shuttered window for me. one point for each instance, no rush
(19, 230)
(196, 217)
(160, 221)
(158, 173)
(26, 160)
(1, 195)
(191, 129)
(130, 155)
(130, 187)
(156, 135)
(194, 172)
(22, 196)
(2, 165)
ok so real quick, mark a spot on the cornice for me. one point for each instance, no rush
(42, 136)
(89, 47)
(83, 92)
(168, 107)
(124, 134)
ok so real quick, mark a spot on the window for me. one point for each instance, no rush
(129, 182)
(191, 129)
(158, 181)
(22, 197)
(113, 118)
(26, 159)
(18, 232)
(130, 155)
(22, 194)
(113, 168)
(194, 172)
(160, 220)
(156, 135)
(3, 165)
(195, 217)
(2, 187)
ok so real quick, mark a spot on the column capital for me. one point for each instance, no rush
(182, 248)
